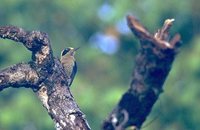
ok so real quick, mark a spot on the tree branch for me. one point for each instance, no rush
(46, 76)
(37, 42)
(19, 75)
(153, 64)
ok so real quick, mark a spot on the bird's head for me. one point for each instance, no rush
(69, 51)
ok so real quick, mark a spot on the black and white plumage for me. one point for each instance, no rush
(69, 63)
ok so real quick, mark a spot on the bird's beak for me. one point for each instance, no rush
(75, 49)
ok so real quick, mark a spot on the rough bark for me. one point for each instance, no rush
(45, 76)
(152, 66)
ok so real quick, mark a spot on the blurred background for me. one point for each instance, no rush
(105, 60)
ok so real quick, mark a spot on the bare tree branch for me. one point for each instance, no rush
(35, 41)
(153, 64)
(19, 75)
(46, 76)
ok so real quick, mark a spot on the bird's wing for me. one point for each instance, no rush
(73, 73)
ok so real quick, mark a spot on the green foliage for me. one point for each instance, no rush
(104, 69)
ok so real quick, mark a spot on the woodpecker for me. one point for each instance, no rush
(69, 63)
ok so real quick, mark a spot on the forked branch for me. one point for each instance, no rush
(45, 76)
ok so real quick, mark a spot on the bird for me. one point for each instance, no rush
(69, 63)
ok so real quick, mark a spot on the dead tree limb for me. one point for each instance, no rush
(45, 76)
(153, 64)
(18, 75)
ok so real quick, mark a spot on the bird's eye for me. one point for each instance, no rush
(65, 51)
